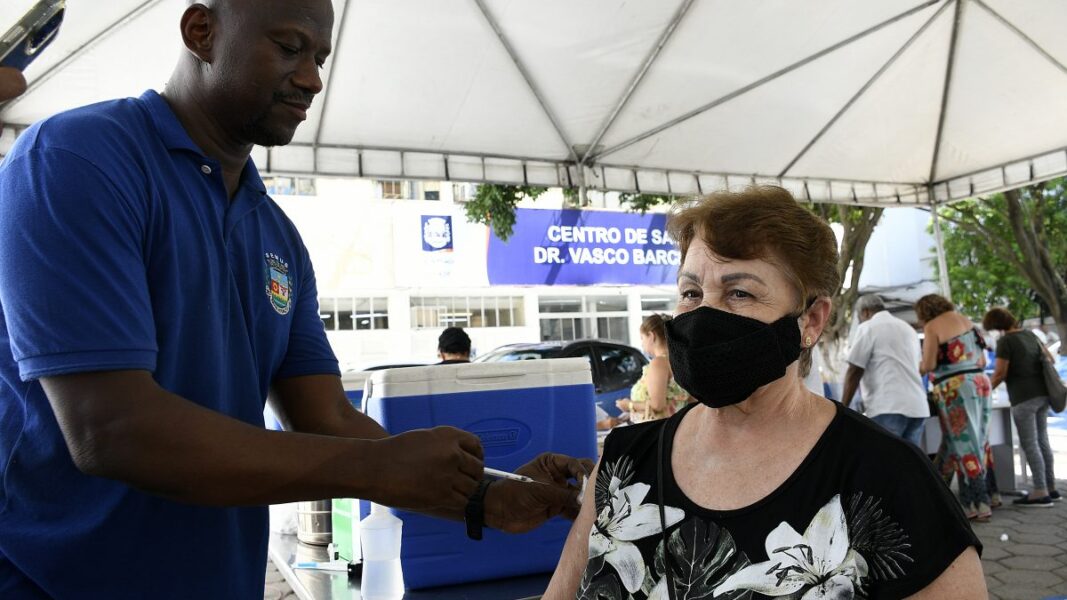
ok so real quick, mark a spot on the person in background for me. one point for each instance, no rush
(761, 488)
(884, 363)
(454, 346)
(953, 353)
(1019, 364)
(152, 298)
(656, 395)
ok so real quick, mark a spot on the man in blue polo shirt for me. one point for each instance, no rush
(152, 297)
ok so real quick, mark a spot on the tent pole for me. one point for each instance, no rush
(942, 264)
(583, 201)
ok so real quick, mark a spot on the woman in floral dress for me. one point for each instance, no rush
(656, 395)
(953, 353)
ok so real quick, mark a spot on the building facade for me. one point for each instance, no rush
(396, 262)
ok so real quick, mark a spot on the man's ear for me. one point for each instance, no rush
(198, 31)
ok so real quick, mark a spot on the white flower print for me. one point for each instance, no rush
(818, 564)
(623, 520)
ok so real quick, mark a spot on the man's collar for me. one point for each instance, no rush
(175, 137)
(168, 126)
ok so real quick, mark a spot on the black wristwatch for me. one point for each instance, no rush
(474, 514)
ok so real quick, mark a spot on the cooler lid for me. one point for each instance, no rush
(353, 381)
(474, 377)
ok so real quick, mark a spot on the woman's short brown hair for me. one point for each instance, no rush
(998, 318)
(931, 306)
(655, 325)
(764, 222)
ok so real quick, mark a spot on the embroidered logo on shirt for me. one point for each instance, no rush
(279, 289)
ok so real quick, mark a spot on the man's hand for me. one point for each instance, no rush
(517, 507)
(12, 83)
(428, 470)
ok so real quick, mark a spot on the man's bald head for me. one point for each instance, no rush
(253, 65)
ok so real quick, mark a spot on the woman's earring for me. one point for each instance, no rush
(807, 342)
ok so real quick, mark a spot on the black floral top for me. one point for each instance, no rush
(863, 516)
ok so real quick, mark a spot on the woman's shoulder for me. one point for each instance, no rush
(633, 440)
(952, 326)
(873, 447)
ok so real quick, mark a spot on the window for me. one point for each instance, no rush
(370, 313)
(616, 329)
(566, 329)
(391, 190)
(431, 190)
(328, 313)
(467, 311)
(560, 305)
(290, 186)
(346, 314)
(569, 318)
(658, 304)
(619, 367)
(464, 192)
(607, 304)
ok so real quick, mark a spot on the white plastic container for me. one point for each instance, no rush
(383, 576)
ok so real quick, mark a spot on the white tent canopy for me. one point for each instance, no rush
(890, 102)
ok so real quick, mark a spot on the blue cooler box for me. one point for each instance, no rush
(519, 410)
(353, 382)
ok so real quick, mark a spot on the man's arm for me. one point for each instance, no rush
(317, 404)
(122, 425)
(852, 381)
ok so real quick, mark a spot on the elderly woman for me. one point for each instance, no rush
(762, 489)
(1019, 364)
(954, 355)
(656, 395)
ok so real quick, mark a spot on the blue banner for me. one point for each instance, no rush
(576, 247)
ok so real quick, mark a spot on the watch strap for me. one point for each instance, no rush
(474, 514)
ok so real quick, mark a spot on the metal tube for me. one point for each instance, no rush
(942, 264)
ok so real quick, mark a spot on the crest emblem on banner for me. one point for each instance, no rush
(436, 234)
(279, 289)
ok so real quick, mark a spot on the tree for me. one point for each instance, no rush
(494, 205)
(857, 224)
(979, 277)
(1023, 237)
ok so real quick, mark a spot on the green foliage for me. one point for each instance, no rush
(494, 205)
(990, 249)
(979, 276)
(642, 203)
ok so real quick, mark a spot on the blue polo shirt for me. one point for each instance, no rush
(121, 250)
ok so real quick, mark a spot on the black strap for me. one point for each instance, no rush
(474, 513)
(662, 513)
(963, 372)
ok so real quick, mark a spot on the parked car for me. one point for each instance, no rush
(616, 367)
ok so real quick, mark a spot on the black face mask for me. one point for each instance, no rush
(721, 358)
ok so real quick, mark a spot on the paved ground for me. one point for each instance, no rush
(1031, 564)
